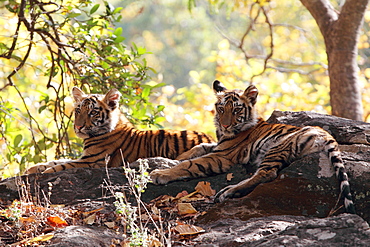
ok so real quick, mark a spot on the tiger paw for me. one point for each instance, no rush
(230, 191)
(39, 168)
(163, 176)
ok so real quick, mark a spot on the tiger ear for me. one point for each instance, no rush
(251, 93)
(218, 87)
(78, 95)
(112, 98)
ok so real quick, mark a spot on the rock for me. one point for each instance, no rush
(307, 188)
(84, 236)
(285, 230)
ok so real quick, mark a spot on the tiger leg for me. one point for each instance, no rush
(69, 165)
(263, 175)
(204, 166)
(60, 165)
(197, 151)
(41, 167)
(275, 159)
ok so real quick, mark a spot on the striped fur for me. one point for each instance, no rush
(107, 133)
(246, 139)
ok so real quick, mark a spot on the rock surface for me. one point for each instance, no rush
(342, 230)
(307, 188)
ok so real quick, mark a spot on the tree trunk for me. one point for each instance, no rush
(341, 33)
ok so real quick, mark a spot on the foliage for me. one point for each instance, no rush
(236, 38)
(274, 44)
(45, 49)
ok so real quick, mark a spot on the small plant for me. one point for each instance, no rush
(138, 234)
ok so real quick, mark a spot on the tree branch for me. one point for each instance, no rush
(323, 13)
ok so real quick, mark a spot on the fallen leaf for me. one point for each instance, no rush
(45, 237)
(89, 220)
(155, 210)
(188, 229)
(93, 211)
(110, 224)
(41, 238)
(205, 189)
(154, 242)
(163, 200)
(27, 219)
(182, 194)
(185, 208)
(188, 197)
(229, 176)
(56, 221)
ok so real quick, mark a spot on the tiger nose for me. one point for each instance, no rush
(225, 126)
(79, 127)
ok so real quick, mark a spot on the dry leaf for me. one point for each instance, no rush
(185, 208)
(110, 224)
(205, 188)
(182, 194)
(229, 176)
(27, 219)
(93, 211)
(90, 219)
(40, 238)
(188, 197)
(188, 229)
(155, 210)
(154, 242)
(56, 221)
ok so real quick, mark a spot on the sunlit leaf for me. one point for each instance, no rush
(229, 176)
(17, 140)
(42, 238)
(205, 188)
(186, 208)
(94, 8)
(118, 31)
(145, 93)
(188, 229)
(89, 220)
(56, 221)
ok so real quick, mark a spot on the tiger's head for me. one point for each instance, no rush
(95, 114)
(235, 111)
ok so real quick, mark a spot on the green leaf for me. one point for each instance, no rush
(146, 92)
(160, 107)
(74, 13)
(17, 140)
(119, 39)
(117, 10)
(141, 50)
(94, 9)
(42, 108)
(118, 31)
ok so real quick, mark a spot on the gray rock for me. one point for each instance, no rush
(84, 236)
(342, 230)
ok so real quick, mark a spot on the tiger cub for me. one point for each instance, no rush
(243, 138)
(108, 133)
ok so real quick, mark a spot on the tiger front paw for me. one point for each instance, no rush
(39, 168)
(162, 176)
(230, 191)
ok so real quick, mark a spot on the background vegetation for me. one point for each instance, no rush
(157, 53)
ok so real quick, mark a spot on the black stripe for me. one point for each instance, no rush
(184, 137)
(92, 155)
(200, 139)
(201, 168)
(161, 136)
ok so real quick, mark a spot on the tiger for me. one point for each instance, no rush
(244, 138)
(107, 133)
